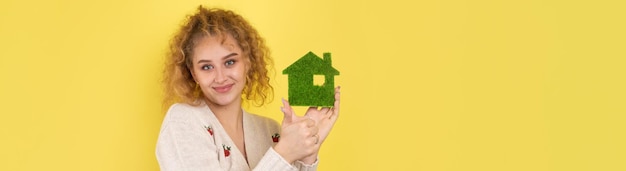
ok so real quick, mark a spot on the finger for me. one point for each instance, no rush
(325, 110)
(337, 97)
(286, 117)
(334, 111)
(287, 106)
(310, 110)
(288, 113)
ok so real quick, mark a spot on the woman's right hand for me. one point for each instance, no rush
(299, 136)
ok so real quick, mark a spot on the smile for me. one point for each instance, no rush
(223, 89)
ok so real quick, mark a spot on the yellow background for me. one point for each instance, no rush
(426, 85)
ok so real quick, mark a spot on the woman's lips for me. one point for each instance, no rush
(223, 89)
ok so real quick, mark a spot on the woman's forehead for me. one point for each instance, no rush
(215, 47)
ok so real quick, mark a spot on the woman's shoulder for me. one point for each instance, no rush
(183, 112)
(184, 107)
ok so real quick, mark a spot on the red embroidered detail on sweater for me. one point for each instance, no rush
(226, 150)
(275, 137)
(209, 129)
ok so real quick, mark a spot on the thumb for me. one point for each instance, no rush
(288, 112)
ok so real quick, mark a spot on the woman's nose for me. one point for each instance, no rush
(220, 76)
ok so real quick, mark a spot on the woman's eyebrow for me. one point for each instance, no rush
(229, 55)
(223, 58)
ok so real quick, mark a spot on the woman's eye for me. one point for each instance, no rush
(230, 62)
(207, 67)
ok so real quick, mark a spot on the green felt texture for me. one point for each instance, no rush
(302, 91)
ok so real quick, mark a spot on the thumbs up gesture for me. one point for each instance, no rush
(302, 136)
(298, 136)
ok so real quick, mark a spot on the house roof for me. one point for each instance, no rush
(312, 64)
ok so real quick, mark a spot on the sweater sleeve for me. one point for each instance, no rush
(306, 167)
(273, 161)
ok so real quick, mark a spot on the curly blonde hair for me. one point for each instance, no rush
(178, 81)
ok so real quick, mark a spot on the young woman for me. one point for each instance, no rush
(216, 60)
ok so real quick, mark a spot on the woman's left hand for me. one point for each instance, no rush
(325, 117)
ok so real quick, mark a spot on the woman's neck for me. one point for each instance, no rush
(230, 116)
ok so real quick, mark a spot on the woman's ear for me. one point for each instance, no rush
(193, 75)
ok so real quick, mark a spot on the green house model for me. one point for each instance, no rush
(303, 91)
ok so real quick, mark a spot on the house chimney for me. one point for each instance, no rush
(327, 59)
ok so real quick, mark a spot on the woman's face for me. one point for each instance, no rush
(219, 69)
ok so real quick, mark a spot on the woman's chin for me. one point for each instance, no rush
(224, 101)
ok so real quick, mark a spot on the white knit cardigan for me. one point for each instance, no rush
(192, 138)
